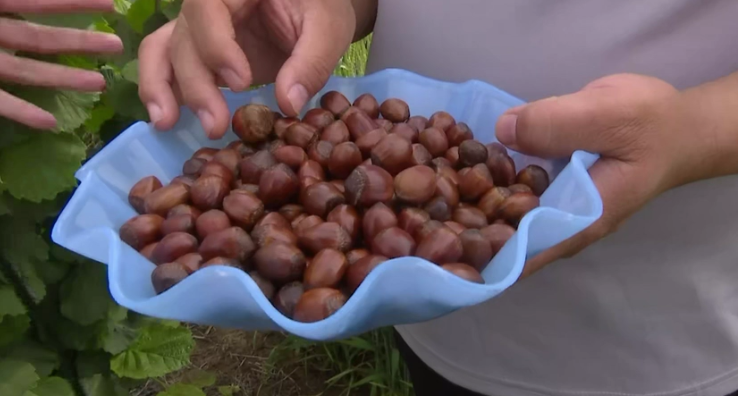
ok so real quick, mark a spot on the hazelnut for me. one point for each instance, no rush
(208, 192)
(278, 185)
(384, 124)
(140, 190)
(326, 269)
(347, 217)
(311, 169)
(477, 249)
(253, 166)
(253, 123)
(320, 152)
(305, 183)
(495, 148)
(275, 218)
(184, 209)
(192, 167)
(474, 181)
(519, 188)
(179, 223)
(301, 134)
(405, 131)
(281, 125)
(459, 133)
(417, 122)
(211, 221)
(148, 250)
(470, 217)
(438, 209)
(441, 120)
(369, 104)
(165, 276)
(336, 132)
(464, 271)
(306, 223)
(440, 162)
(369, 184)
(534, 177)
(415, 185)
(280, 262)
(426, 228)
(434, 139)
(224, 261)
(232, 243)
(344, 158)
(440, 246)
(369, 140)
(446, 171)
(318, 118)
(265, 286)
(252, 188)
(141, 230)
(297, 220)
(502, 169)
(497, 235)
(243, 208)
(454, 226)
(471, 152)
(317, 304)
(355, 255)
(379, 217)
(325, 235)
(320, 198)
(452, 155)
(206, 153)
(359, 124)
(393, 153)
(161, 200)
(217, 169)
(393, 242)
(359, 270)
(264, 235)
(174, 246)
(395, 110)
(490, 202)
(229, 158)
(410, 219)
(516, 206)
(190, 261)
(292, 156)
(335, 102)
(340, 185)
(420, 155)
(290, 211)
(287, 297)
(446, 189)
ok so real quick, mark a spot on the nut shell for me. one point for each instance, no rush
(317, 304)
(464, 271)
(232, 243)
(441, 246)
(208, 192)
(369, 184)
(287, 297)
(326, 269)
(368, 103)
(395, 110)
(163, 199)
(280, 262)
(415, 185)
(141, 230)
(211, 221)
(393, 242)
(174, 246)
(325, 235)
(140, 190)
(359, 270)
(253, 123)
(393, 153)
(534, 177)
(477, 249)
(165, 276)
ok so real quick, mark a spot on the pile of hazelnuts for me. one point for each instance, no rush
(309, 207)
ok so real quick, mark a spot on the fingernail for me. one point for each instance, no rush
(154, 112)
(298, 96)
(206, 120)
(506, 129)
(232, 78)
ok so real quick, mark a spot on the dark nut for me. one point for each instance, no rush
(438, 209)
(426, 228)
(292, 156)
(278, 185)
(456, 227)
(440, 246)
(477, 249)
(290, 211)
(253, 123)
(141, 230)
(280, 262)
(534, 177)
(355, 255)
(470, 217)
(148, 250)
(347, 217)
(281, 125)
(305, 183)
(452, 155)
(497, 235)
(359, 123)
(417, 122)
(253, 166)
(502, 168)
(471, 152)
(318, 118)
(265, 286)
(301, 134)
(165, 276)
(384, 124)
(337, 132)
(270, 233)
(184, 180)
(441, 120)
(229, 158)
(435, 140)
(367, 141)
(379, 217)
(320, 152)
(420, 155)
(335, 102)
(287, 297)
(232, 243)
(311, 169)
(206, 153)
(275, 218)
(243, 208)
(495, 148)
(464, 271)
(174, 246)
(305, 224)
(190, 261)
(223, 261)
(217, 169)
(459, 133)
(393, 153)
(446, 189)
(491, 201)
(405, 131)
(326, 269)
(320, 198)
(213, 220)
(395, 110)
(447, 171)
(393, 242)
(208, 192)
(318, 304)
(415, 185)
(369, 184)
(517, 205)
(340, 185)
(344, 159)
(369, 104)
(325, 235)
(474, 181)
(179, 223)
(184, 209)
(162, 200)
(359, 270)
(140, 190)
(519, 188)
(410, 219)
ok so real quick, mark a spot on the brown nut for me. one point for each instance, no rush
(459, 133)
(306, 223)
(208, 192)
(441, 120)
(292, 156)
(534, 177)
(141, 230)
(205, 153)
(446, 171)
(179, 223)
(502, 169)
(495, 148)
(335, 102)
(440, 246)
(278, 185)
(267, 234)
(224, 261)
(320, 198)
(447, 190)
(393, 242)
(405, 131)
(190, 261)
(228, 158)
(311, 169)
(243, 208)
(148, 250)
(369, 184)
(280, 262)
(232, 243)
(326, 269)
(455, 227)
(301, 134)
(369, 140)
(474, 181)
(415, 185)
(252, 166)
(252, 188)
(165, 276)
(410, 219)
(174, 246)
(477, 249)
(265, 286)
(438, 209)
(305, 183)
(317, 304)
(325, 235)
(369, 104)
(183, 180)
(253, 123)
(519, 188)
(213, 168)
(393, 153)
(244, 150)
(384, 124)
(347, 217)
(417, 122)
(344, 158)
(471, 152)
(336, 132)
(426, 228)
(359, 270)
(161, 200)
(420, 155)
(490, 202)
(497, 235)
(470, 217)
(281, 125)
(290, 211)
(359, 123)
(318, 118)
(379, 217)
(184, 209)
(435, 140)
(275, 218)
(287, 297)
(320, 152)
(355, 255)
(516, 206)
(452, 155)
(464, 271)
(213, 220)
(140, 190)
(395, 110)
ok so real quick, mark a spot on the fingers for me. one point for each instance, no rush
(25, 113)
(215, 40)
(155, 76)
(324, 39)
(197, 84)
(32, 72)
(43, 6)
(25, 36)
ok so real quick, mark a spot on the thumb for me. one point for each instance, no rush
(326, 35)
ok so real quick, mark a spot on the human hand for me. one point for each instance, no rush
(294, 43)
(18, 35)
(633, 122)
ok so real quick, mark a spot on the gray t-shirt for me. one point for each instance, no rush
(650, 310)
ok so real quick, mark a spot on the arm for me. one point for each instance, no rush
(366, 15)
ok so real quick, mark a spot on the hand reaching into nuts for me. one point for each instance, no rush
(19, 35)
(295, 43)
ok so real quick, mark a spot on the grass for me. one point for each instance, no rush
(277, 364)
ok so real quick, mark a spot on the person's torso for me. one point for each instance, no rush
(650, 310)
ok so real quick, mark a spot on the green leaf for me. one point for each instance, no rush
(101, 113)
(140, 11)
(130, 71)
(51, 271)
(84, 294)
(199, 378)
(71, 109)
(90, 363)
(80, 62)
(99, 385)
(52, 386)
(4, 204)
(122, 95)
(10, 304)
(43, 359)
(16, 377)
(182, 390)
(154, 23)
(118, 333)
(122, 6)
(157, 351)
(228, 390)
(12, 329)
(172, 8)
(25, 177)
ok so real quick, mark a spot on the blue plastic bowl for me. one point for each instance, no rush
(401, 291)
